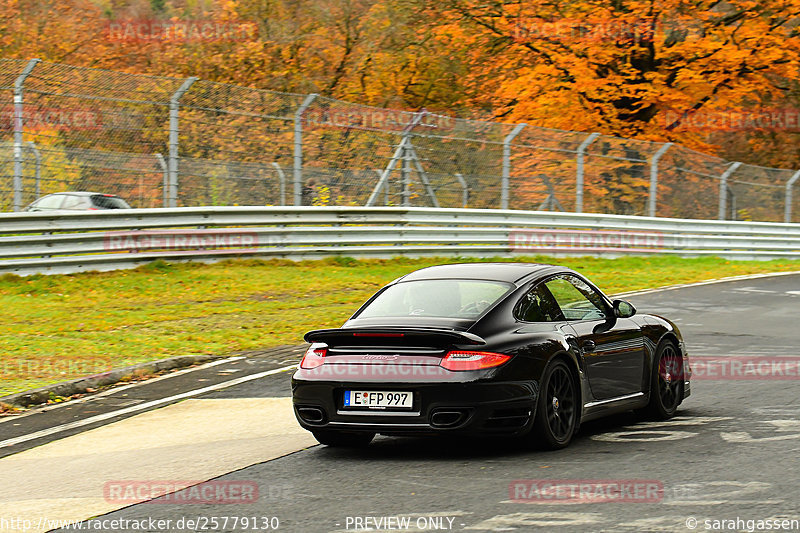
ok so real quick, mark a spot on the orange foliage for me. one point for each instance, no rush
(587, 65)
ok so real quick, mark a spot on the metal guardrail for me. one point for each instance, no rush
(107, 240)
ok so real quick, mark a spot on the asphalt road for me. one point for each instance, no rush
(124, 401)
(730, 455)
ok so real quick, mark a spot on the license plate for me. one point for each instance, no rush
(378, 399)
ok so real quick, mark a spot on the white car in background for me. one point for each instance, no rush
(78, 201)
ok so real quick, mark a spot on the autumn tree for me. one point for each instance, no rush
(629, 68)
(620, 65)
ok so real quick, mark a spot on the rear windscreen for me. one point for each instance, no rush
(109, 202)
(436, 298)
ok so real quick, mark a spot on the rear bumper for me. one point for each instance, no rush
(439, 408)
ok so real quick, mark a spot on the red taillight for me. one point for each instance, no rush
(464, 360)
(314, 357)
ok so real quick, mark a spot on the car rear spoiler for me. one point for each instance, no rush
(393, 335)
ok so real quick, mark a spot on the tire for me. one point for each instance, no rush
(557, 409)
(342, 439)
(666, 383)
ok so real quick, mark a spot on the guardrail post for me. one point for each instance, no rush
(579, 177)
(787, 213)
(723, 188)
(174, 107)
(654, 178)
(38, 157)
(19, 128)
(297, 175)
(505, 185)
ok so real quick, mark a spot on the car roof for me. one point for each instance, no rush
(508, 272)
(83, 193)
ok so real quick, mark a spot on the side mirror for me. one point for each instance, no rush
(623, 309)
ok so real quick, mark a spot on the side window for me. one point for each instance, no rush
(576, 299)
(538, 305)
(50, 202)
(104, 201)
(73, 202)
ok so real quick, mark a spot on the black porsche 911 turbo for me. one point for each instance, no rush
(513, 349)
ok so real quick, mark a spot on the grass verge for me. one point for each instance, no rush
(62, 327)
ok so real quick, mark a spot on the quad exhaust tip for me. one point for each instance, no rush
(448, 418)
(312, 415)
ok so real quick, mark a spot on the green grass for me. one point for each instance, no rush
(56, 328)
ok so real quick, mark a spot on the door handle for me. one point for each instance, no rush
(588, 346)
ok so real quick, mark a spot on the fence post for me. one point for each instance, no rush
(406, 154)
(413, 157)
(165, 185)
(19, 128)
(282, 178)
(732, 196)
(399, 153)
(723, 188)
(787, 213)
(505, 185)
(654, 177)
(384, 179)
(297, 175)
(38, 157)
(406, 174)
(579, 177)
(174, 106)
(464, 190)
